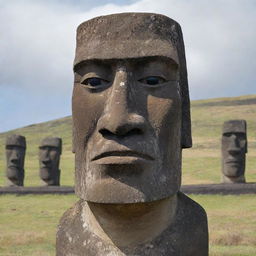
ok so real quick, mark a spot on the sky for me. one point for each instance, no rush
(37, 45)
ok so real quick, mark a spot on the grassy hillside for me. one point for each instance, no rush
(28, 223)
(201, 164)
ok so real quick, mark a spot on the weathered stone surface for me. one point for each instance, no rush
(15, 156)
(131, 119)
(234, 149)
(49, 159)
(186, 235)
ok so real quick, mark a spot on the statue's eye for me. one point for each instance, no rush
(152, 80)
(94, 82)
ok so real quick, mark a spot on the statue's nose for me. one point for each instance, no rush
(45, 157)
(120, 118)
(15, 157)
(233, 146)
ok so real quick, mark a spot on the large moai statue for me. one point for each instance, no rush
(15, 157)
(131, 119)
(49, 160)
(234, 148)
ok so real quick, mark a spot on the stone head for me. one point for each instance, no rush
(15, 156)
(234, 148)
(49, 159)
(131, 109)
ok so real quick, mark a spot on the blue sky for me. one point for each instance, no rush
(38, 40)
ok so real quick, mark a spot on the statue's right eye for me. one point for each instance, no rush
(94, 82)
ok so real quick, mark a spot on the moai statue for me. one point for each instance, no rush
(131, 119)
(234, 148)
(15, 157)
(49, 160)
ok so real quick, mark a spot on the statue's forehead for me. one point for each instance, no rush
(127, 35)
(16, 140)
(51, 142)
(234, 126)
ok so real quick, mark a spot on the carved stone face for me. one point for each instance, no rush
(234, 148)
(49, 158)
(15, 156)
(127, 120)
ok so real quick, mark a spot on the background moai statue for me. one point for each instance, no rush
(234, 148)
(49, 159)
(15, 157)
(131, 119)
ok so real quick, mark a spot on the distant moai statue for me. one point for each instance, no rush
(234, 148)
(15, 157)
(49, 159)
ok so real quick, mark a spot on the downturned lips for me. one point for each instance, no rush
(121, 157)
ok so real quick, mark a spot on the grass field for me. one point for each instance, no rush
(28, 223)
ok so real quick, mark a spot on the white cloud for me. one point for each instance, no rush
(38, 39)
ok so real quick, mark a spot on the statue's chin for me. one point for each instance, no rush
(13, 173)
(45, 174)
(111, 191)
(233, 170)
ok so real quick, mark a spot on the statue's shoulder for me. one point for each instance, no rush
(71, 215)
(70, 224)
(192, 221)
(191, 209)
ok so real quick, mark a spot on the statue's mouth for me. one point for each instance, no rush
(121, 157)
(233, 162)
(13, 166)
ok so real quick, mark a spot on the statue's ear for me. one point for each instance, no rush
(73, 139)
(186, 139)
(60, 145)
(246, 143)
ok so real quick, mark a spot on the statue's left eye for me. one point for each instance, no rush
(152, 80)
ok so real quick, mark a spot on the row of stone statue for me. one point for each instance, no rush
(49, 159)
(234, 148)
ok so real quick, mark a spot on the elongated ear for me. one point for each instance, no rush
(246, 144)
(60, 145)
(73, 139)
(186, 139)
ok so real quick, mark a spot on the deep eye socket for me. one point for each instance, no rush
(239, 136)
(153, 81)
(94, 82)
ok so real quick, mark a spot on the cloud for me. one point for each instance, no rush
(38, 41)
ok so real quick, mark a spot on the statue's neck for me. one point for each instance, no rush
(130, 224)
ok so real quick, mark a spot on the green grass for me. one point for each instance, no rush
(28, 223)
(232, 224)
